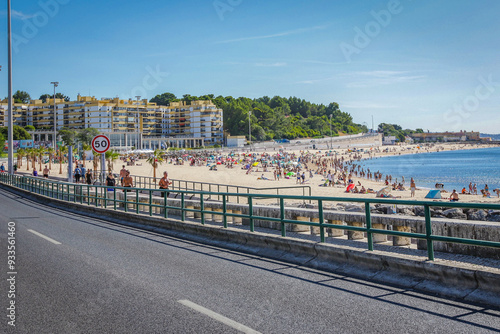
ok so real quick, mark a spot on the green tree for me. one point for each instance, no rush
(2, 142)
(111, 156)
(17, 132)
(62, 151)
(86, 135)
(44, 97)
(164, 99)
(29, 128)
(85, 147)
(21, 153)
(68, 136)
(155, 160)
(21, 97)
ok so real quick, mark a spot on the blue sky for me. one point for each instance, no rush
(421, 64)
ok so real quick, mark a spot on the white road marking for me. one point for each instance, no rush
(218, 317)
(45, 237)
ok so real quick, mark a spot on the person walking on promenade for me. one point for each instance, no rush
(88, 176)
(164, 184)
(77, 174)
(46, 172)
(110, 180)
(128, 182)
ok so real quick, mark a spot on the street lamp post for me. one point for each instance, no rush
(54, 136)
(138, 144)
(10, 133)
(249, 128)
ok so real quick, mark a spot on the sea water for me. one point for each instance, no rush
(454, 169)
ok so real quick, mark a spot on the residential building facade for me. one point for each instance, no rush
(197, 124)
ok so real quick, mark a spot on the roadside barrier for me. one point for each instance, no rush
(194, 204)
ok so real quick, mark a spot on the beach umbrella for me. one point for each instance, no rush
(383, 192)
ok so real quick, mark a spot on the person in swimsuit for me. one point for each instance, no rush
(454, 196)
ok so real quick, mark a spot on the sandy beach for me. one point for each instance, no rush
(239, 176)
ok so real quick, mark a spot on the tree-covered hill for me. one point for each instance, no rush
(277, 117)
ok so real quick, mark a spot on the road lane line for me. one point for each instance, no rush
(218, 317)
(45, 237)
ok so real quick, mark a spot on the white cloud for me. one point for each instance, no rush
(19, 15)
(367, 105)
(378, 78)
(277, 64)
(280, 34)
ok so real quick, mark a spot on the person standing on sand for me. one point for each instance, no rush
(123, 173)
(412, 187)
(474, 188)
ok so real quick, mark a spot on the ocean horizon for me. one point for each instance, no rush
(454, 169)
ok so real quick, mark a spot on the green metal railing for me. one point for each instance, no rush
(136, 198)
(149, 182)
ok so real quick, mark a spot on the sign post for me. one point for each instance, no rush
(101, 144)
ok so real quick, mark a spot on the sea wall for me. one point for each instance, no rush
(351, 216)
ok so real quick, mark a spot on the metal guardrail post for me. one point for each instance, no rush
(137, 201)
(321, 219)
(202, 208)
(282, 217)
(369, 233)
(250, 213)
(150, 203)
(165, 210)
(125, 199)
(114, 198)
(224, 211)
(428, 232)
(183, 211)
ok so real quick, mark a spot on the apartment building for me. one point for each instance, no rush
(179, 122)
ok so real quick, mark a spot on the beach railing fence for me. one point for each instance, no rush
(149, 182)
(142, 201)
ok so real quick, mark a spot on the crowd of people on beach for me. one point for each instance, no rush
(337, 168)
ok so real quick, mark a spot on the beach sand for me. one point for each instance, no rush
(238, 176)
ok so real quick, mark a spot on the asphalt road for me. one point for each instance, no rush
(74, 274)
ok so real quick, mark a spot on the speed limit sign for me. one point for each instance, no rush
(100, 144)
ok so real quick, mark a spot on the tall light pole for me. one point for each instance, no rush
(249, 128)
(331, 133)
(138, 144)
(54, 136)
(10, 116)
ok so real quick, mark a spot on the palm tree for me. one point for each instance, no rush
(85, 148)
(97, 157)
(29, 155)
(111, 156)
(155, 159)
(40, 152)
(51, 152)
(62, 151)
(21, 153)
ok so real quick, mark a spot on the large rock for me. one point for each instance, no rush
(455, 213)
(386, 209)
(419, 211)
(477, 215)
(354, 208)
(494, 216)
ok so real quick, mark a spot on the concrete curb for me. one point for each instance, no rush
(477, 286)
